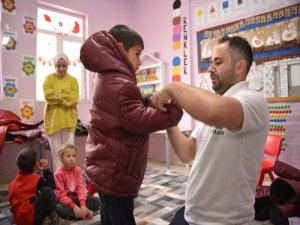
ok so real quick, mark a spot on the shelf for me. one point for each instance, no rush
(150, 74)
(148, 82)
(150, 66)
(284, 99)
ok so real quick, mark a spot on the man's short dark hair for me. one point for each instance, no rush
(26, 160)
(240, 45)
(128, 37)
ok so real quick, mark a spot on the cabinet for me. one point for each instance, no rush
(150, 75)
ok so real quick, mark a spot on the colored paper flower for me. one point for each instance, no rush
(10, 89)
(26, 111)
(28, 68)
(9, 5)
(29, 27)
(11, 44)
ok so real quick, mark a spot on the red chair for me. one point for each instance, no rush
(272, 149)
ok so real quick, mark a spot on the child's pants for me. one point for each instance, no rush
(66, 212)
(56, 140)
(116, 211)
(44, 204)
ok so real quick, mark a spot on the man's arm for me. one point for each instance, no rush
(185, 148)
(203, 105)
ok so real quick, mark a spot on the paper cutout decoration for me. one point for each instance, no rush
(8, 7)
(28, 66)
(59, 26)
(29, 25)
(212, 10)
(10, 87)
(9, 41)
(27, 110)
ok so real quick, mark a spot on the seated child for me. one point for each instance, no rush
(31, 195)
(70, 189)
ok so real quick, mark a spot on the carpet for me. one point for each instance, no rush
(160, 196)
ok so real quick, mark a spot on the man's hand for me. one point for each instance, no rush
(160, 98)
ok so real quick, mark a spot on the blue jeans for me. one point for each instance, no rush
(179, 218)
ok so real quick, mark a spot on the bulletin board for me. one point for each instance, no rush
(272, 35)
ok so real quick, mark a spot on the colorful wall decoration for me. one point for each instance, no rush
(9, 41)
(176, 62)
(10, 87)
(8, 7)
(27, 110)
(28, 66)
(29, 25)
(272, 35)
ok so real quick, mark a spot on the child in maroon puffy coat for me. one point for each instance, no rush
(121, 119)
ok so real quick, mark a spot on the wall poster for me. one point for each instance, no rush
(272, 35)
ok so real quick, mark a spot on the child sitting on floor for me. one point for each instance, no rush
(31, 195)
(70, 189)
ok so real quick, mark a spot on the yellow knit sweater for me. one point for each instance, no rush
(61, 98)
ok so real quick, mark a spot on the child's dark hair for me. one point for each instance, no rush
(126, 36)
(26, 160)
(240, 45)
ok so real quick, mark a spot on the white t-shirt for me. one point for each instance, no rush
(221, 186)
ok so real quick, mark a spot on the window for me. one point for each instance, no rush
(59, 31)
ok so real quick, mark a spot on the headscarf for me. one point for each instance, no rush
(61, 55)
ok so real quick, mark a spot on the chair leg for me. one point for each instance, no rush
(260, 179)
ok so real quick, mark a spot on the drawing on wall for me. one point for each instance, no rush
(8, 7)
(28, 66)
(199, 16)
(9, 41)
(29, 25)
(271, 35)
(225, 8)
(10, 87)
(27, 110)
(240, 5)
(212, 10)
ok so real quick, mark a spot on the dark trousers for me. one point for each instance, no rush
(44, 204)
(179, 218)
(116, 211)
(66, 212)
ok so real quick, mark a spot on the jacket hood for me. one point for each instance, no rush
(101, 53)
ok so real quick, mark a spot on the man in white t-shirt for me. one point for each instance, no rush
(227, 147)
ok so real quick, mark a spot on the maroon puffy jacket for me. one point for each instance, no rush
(120, 120)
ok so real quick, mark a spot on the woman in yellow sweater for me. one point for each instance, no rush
(61, 91)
